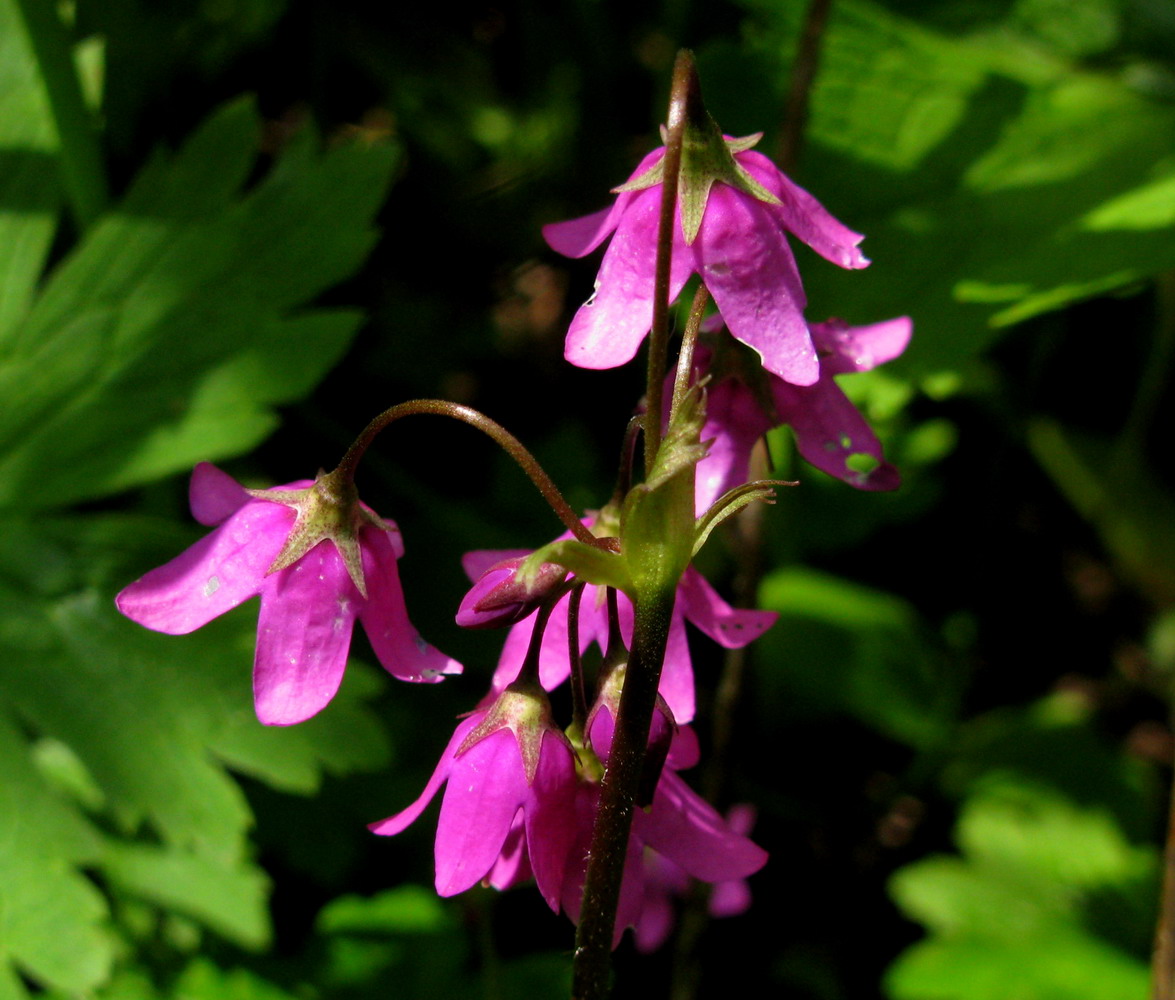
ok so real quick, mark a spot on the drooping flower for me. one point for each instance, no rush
(697, 602)
(509, 774)
(664, 881)
(678, 826)
(734, 210)
(317, 564)
(743, 403)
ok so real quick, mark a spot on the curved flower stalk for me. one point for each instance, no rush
(735, 208)
(317, 561)
(697, 603)
(743, 403)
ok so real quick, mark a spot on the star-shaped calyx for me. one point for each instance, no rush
(328, 509)
(524, 709)
(706, 156)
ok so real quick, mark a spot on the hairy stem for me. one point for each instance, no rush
(507, 441)
(592, 965)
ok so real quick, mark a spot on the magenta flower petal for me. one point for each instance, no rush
(513, 864)
(213, 576)
(689, 832)
(608, 329)
(213, 495)
(401, 650)
(729, 627)
(738, 247)
(487, 786)
(847, 348)
(550, 829)
(803, 215)
(406, 817)
(303, 634)
(734, 422)
(829, 431)
(677, 673)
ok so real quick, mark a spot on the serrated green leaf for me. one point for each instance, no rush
(228, 899)
(190, 300)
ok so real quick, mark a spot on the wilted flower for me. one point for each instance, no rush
(318, 565)
(735, 208)
(743, 404)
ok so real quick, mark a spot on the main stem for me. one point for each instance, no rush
(592, 965)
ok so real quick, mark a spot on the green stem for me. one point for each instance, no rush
(591, 968)
(685, 357)
(685, 90)
(79, 154)
(507, 441)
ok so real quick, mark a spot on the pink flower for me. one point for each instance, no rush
(664, 881)
(740, 250)
(697, 602)
(308, 608)
(498, 599)
(679, 827)
(509, 774)
(828, 429)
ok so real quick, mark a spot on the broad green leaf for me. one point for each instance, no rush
(1044, 180)
(180, 321)
(840, 647)
(1019, 913)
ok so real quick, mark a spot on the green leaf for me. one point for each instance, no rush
(174, 328)
(841, 647)
(1045, 180)
(408, 909)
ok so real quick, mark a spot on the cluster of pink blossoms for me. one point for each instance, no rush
(521, 792)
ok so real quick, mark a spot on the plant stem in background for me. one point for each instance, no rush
(82, 173)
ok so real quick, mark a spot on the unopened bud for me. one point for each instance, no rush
(500, 598)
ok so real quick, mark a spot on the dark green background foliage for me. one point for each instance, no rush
(296, 214)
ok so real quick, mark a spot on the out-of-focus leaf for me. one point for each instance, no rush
(1017, 915)
(172, 330)
(135, 727)
(840, 647)
(1045, 181)
(30, 193)
(1115, 492)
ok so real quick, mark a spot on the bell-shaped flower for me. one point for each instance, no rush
(508, 773)
(498, 597)
(697, 603)
(743, 403)
(678, 826)
(317, 561)
(735, 208)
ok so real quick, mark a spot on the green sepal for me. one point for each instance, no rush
(731, 502)
(657, 519)
(706, 156)
(589, 563)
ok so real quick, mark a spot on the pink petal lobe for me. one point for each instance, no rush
(847, 348)
(213, 576)
(213, 495)
(677, 673)
(397, 644)
(406, 817)
(689, 832)
(803, 215)
(487, 786)
(734, 422)
(303, 635)
(550, 827)
(475, 563)
(829, 431)
(727, 626)
(743, 257)
(608, 329)
(513, 864)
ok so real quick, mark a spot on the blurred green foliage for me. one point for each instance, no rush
(235, 230)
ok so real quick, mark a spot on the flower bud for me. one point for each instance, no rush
(499, 597)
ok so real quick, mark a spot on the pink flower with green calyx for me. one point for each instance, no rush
(499, 596)
(734, 210)
(504, 761)
(319, 559)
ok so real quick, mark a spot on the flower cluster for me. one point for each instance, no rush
(522, 793)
